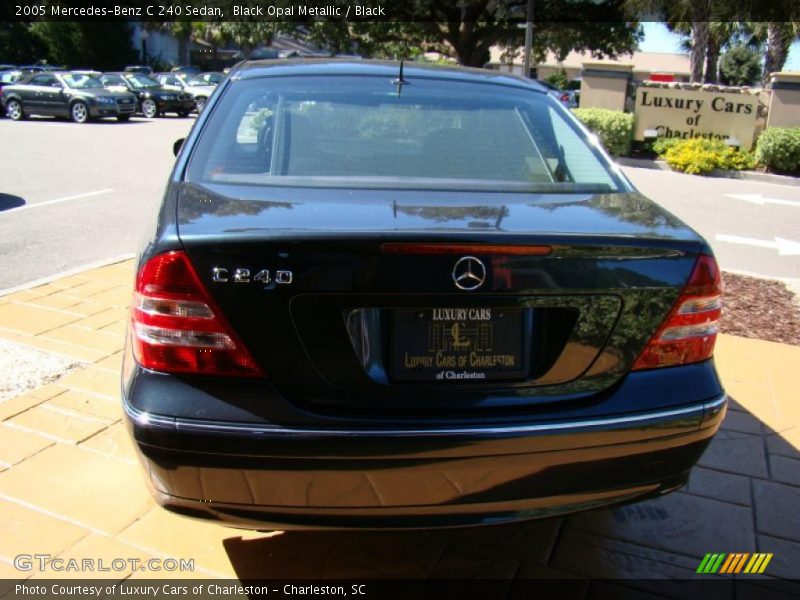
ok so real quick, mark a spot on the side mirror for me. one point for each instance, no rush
(177, 145)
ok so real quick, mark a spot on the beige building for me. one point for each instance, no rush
(644, 63)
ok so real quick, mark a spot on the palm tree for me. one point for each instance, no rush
(720, 35)
(213, 34)
(249, 34)
(184, 31)
(778, 37)
(697, 15)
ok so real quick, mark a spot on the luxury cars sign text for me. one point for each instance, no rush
(676, 113)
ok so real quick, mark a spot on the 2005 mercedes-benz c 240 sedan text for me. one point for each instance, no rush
(379, 296)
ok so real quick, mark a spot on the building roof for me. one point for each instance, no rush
(661, 62)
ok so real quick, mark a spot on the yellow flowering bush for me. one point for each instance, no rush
(697, 156)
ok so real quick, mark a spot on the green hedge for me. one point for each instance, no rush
(613, 127)
(778, 149)
(699, 155)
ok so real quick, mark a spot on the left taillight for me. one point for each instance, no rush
(177, 328)
(689, 332)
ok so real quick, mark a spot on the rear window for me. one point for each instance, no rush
(358, 131)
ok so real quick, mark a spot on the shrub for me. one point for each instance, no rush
(558, 78)
(778, 149)
(662, 144)
(701, 155)
(613, 127)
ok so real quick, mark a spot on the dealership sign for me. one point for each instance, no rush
(686, 114)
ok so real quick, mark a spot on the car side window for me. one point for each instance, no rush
(43, 80)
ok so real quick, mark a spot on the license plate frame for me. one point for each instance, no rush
(459, 345)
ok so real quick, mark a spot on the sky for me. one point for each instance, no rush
(657, 38)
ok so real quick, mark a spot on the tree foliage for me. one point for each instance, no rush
(18, 45)
(85, 44)
(558, 78)
(467, 29)
(740, 65)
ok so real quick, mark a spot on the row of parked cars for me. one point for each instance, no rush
(82, 95)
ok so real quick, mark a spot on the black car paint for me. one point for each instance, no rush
(166, 100)
(321, 422)
(58, 100)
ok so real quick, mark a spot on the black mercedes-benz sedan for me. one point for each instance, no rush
(153, 99)
(78, 96)
(383, 296)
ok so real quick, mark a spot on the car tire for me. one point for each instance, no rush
(79, 112)
(149, 108)
(123, 118)
(14, 110)
(199, 104)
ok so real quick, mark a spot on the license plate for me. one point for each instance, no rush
(458, 345)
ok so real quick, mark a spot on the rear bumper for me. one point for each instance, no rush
(262, 475)
(175, 105)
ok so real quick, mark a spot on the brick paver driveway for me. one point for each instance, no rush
(70, 484)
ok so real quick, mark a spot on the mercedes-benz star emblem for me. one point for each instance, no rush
(469, 273)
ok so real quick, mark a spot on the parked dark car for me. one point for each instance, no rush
(574, 86)
(26, 69)
(566, 97)
(186, 69)
(387, 297)
(153, 98)
(191, 84)
(6, 78)
(57, 94)
(143, 69)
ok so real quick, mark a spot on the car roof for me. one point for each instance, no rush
(266, 68)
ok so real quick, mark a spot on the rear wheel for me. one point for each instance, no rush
(149, 108)
(79, 112)
(14, 110)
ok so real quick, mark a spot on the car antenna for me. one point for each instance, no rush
(400, 82)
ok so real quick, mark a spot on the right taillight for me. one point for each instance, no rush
(689, 332)
(177, 328)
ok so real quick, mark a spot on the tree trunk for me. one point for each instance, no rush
(699, 45)
(712, 62)
(183, 48)
(779, 40)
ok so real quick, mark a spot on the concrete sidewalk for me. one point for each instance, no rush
(70, 484)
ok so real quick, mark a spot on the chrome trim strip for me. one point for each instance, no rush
(145, 419)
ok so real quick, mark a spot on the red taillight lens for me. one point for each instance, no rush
(565, 97)
(177, 328)
(493, 249)
(689, 332)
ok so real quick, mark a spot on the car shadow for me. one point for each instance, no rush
(104, 121)
(8, 201)
(737, 500)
